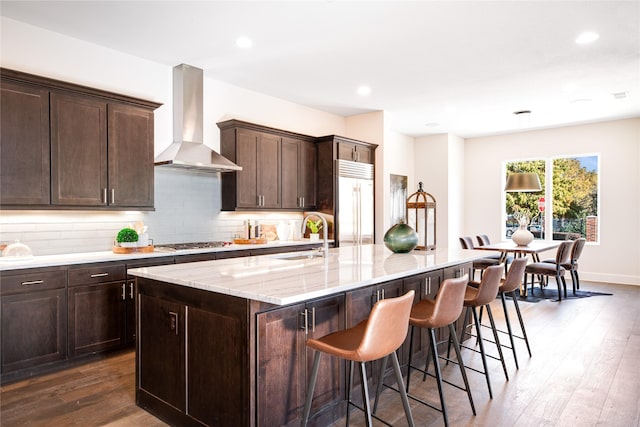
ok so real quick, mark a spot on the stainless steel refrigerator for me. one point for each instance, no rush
(355, 203)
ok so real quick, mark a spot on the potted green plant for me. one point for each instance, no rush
(314, 227)
(127, 238)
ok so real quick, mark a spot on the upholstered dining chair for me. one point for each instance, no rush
(484, 240)
(572, 265)
(479, 264)
(551, 269)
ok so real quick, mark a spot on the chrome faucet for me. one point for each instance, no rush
(325, 238)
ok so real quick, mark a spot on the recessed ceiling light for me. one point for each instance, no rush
(364, 90)
(619, 95)
(244, 42)
(432, 124)
(587, 37)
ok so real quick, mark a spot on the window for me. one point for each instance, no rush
(572, 197)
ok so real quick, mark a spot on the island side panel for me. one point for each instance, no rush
(214, 332)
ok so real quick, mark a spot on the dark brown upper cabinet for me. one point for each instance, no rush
(24, 145)
(298, 174)
(278, 168)
(73, 147)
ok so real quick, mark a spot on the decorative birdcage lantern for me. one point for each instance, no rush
(421, 215)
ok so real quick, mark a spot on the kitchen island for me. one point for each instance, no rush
(223, 342)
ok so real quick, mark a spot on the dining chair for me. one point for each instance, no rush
(484, 240)
(478, 264)
(572, 265)
(551, 269)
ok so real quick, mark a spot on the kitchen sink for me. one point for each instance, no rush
(297, 256)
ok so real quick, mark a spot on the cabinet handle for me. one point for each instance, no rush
(104, 196)
(302, 205)
(313, 319)
(305, 318)
(124, 292)
(93, 276)
(131, 290)
(383, 294)
(113, 196)
(173, 321)
(428, 285)
(32, 282)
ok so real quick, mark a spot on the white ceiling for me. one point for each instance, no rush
(461, 67)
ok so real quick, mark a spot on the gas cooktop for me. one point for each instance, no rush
(193, 245)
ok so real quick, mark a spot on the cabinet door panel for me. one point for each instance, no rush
(130, 156)
(290, 173)
(96, 317)
(328, 317)
(162, 332)
(281, 367)
(34, 329)
(269, 170)
(78, 151)
(246, 156)
(24, 145)
(307, 173)
(217, 367)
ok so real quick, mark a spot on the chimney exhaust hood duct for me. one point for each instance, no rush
(188, 150)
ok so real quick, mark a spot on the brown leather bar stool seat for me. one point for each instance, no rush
(548, 269)
(480, 295)
(441, 312)
(374, 338)
(511, 286)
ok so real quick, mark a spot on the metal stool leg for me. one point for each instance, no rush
(436, 364)
(365, 394)
(524, 332)
(495, 336)
(456, 346)
(310, 390)
(482, 353)
(510, 332)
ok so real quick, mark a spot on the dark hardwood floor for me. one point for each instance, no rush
(585, 371)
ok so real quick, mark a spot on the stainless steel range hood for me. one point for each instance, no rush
(188, 150)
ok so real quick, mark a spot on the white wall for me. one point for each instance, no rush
(432, 169)
(398, 160)
(617, 257)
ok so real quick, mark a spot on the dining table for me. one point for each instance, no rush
(508, 246)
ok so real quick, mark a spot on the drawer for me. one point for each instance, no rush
(101, 273)
(30, 281)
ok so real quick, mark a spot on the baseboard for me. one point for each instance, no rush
(620, 279)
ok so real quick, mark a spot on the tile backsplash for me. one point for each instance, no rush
(187, 209)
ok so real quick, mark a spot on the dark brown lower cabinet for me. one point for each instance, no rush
(284, 363)
(34, 320)
(97, 317)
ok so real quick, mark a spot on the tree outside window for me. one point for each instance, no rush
(573, 196)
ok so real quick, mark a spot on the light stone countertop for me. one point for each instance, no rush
(277, 280)
(106, 256)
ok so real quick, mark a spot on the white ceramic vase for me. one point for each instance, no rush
(522, 237)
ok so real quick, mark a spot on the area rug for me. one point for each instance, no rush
(552, 294)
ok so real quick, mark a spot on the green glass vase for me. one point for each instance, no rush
(401, 238)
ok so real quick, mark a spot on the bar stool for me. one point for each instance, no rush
(511, 286)
(480, 295)
(374, 338)
(431, 315)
